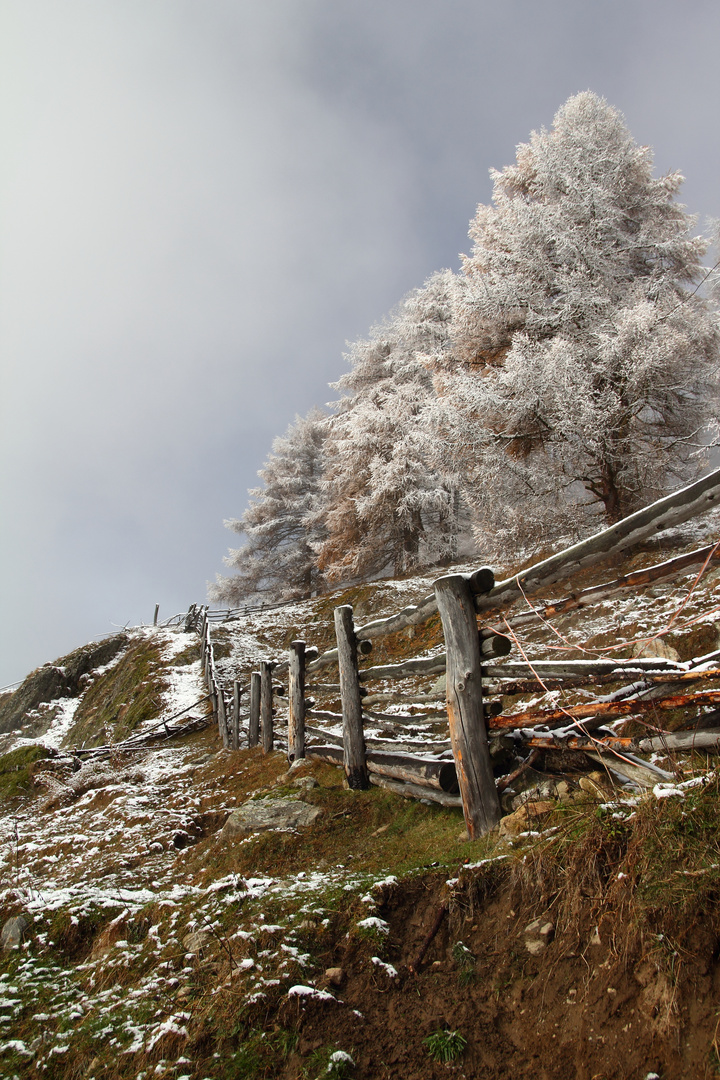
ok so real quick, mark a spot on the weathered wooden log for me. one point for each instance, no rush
(427, 665)
(354, 743)
(632, 768)
(554, 669)
(254, 718)
(364, 648)
(466, 719)
(606, 710)
(266, 710)
(494, 645)
(568, 682)
(681, 505)
(416, 791)
(429, 772)
(596, 594)
(237, 693)
(708, 740)
(296, 701)
(580, 742)
(222, 717)
(390, 746)
(407, 699)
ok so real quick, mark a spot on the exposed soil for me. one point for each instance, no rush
(591, 1013)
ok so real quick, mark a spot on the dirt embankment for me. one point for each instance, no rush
(599, 1003)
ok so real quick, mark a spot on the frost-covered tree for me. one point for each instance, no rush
(278, 558)
(584, 359)
(387, 502)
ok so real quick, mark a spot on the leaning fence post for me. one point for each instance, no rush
(235, 742)
(254, 721)
(468, 733)
(353, 738)
(296, 701)
(266, 715)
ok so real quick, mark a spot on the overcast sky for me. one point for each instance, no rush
(201, 202)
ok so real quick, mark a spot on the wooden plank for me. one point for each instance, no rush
(237, 693)
(468, 734)
(296, 701)
(354, 743)
(254, 718)
(266, 710)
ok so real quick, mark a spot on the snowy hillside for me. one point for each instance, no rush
(143, 936)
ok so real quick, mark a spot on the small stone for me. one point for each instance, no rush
(538, 935)
(12, 932)
(464, 836)
(525, 817)
(155, 848)
(593, 784)
(595, 939)
(611, 991)
(657, 648)
(197, 940)
(335, 976)
(306, 782)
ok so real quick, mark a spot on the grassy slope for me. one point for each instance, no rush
(105, 984)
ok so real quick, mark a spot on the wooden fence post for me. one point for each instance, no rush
(353, 738)
(222, 716)
(155, 616)
(254, 721)
(235, 741)
(468, 733)
(296, 701)
(266, 714)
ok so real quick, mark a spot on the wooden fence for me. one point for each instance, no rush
(458, 771)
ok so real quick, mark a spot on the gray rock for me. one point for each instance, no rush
(261, 815)
(439, 686)
(12, 932)
(305, 782)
